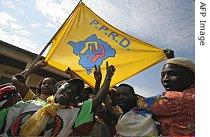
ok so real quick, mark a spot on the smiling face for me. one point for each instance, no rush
(67, 94)
(47, 86)
(176, 78)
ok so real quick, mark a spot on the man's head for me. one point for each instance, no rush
(178, 74)
(58, 85)
(125, 97)
(69, 91)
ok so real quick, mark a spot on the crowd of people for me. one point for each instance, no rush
(73, 108)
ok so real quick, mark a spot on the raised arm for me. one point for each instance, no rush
(26, 73)
(19, 80)
(110, 110)
(102, 93)
(98, 77)
(72, 74)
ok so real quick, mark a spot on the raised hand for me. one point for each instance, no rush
(169, 53)
(18, 79)
(68, 71)
(102, 93)
(109, 70)
(71, 73)
(97, 73)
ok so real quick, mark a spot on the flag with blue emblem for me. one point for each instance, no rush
(86, 40)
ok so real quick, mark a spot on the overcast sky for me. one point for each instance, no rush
(29, 24)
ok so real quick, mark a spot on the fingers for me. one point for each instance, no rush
(45, 62)
(112, 68)
(68, 70)
(169, 53)
(95, 67)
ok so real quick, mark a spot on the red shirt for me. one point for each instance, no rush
(176, 112)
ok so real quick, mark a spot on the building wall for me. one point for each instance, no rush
(34, 80)
(6, 71)
(16, 54)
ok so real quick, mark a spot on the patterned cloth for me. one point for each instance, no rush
(58, 123)
(37, 122)
(17, 115)
(8, 96)
(63, 120)
(66, 119)
(84, 121)
(133, 123)
(176, 112)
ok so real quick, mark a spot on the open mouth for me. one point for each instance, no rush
(46, 88)
(167, 85)
(65, 96)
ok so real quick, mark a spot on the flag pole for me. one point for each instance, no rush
(46, 46)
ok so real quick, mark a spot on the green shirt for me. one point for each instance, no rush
(85, 115)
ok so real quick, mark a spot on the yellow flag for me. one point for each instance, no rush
(86, 40)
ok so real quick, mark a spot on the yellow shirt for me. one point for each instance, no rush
(29, 96)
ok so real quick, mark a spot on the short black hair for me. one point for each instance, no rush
(58, 85)
(79, 83)
(129, 86)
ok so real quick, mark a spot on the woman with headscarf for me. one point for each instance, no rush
(176, 108)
